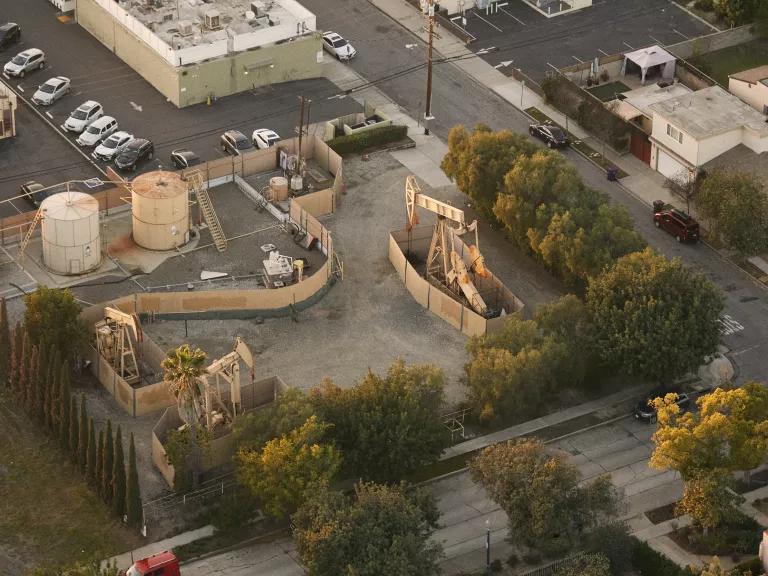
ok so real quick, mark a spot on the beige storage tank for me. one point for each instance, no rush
(70, 233)
(160, 208)
(279, 186)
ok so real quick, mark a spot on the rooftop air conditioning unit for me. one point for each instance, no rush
(212, 20)
(186, 28)
(255, 8)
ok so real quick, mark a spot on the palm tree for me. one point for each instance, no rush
(182, 369)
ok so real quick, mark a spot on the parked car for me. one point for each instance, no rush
(97, 131)
(23, 62)
(111, 146)
(34, 193)
(10, 33)
(337, 46)
(53, 89)
(264, 138)
(552, 136)
(234, 142)
(183, 158)
(85, 114)
(647, 413)
(677, 223)
(162, 564)
(135, 151)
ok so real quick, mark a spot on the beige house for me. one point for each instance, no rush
(191, 50)
(7, 112)
(688, 131)
(752, 87)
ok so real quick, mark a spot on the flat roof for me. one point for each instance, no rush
(709, 112)
(753, 75)
(188, 25)
(643, 98)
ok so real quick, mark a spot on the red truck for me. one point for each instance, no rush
(163, 564)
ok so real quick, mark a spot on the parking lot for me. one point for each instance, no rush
(41, 153)
(535, 43)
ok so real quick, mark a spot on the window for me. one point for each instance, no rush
(674, 133)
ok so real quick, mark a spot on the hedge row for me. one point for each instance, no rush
(361, 141)
(648, 562)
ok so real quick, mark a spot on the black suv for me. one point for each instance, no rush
(647, 413)
(134, 152)
(10, 33)
(553, 136)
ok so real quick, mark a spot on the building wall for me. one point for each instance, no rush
(754, 141)
(8, 105)
(294, 60)
(688, 150)
(712, 42)
(756, 95)
(712, 147)
(129, 48)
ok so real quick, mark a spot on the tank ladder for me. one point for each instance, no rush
(198, 186)
(28, 235)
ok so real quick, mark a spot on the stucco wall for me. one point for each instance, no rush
(711, 42)
(756, 95)
(689, 149)
(710, 148)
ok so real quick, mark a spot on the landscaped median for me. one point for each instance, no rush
(577, 144)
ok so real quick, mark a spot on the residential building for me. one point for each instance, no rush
(7, 112)
(752, 87)
(689, 131)
(192, 51)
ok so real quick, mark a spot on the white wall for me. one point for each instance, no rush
(712, 147)
(756, 95)
(689, 149)
(758, 142)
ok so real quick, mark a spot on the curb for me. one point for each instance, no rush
(236, 546)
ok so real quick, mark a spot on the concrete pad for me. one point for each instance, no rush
(422, 166)
(649, 483)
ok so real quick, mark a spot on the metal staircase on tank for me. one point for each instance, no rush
(198, 186)
(28, 235)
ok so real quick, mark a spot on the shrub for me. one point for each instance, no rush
(361, 141)
(496, 566)
(648, 562)
(706, 5)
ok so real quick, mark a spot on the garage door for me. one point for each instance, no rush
(670, 167)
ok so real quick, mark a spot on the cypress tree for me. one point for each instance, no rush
(82, 439)
(133, 494)
(41, 384)
(30, 382)
(107, 471)
(5, 342)
(15, 366)
(90, 457)
(74, 430)
(65, 400)
(51, 390)
(99, 472)
(118, 475)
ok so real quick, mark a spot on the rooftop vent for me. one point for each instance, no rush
(186, 28)
(212, 20)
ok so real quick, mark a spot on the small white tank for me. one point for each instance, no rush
(160, 209)
(70, 233)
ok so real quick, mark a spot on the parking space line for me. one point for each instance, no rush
(728, 325)
(577, 58)
(603, 53)
(513, 16)
(681, 34)
(20, 88)
(49, 115)
(491, 24)
(627, 45)
(656, 40)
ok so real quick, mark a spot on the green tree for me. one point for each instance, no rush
(133, 492)
(546, 506)
(613, 541)
(5, 342)
(289, 411)
(17, 350)
(182, 369)
(108, 468)
(382, 530)
(289, 468)
(65, 400)
(82, 439)
(478, 161)
(90, 457)
(653, 317)
(184, 450)
(73, 436)
(761, 20)
(736, 206)
(99, 472)
(386, 427)
(30, 382)
(737, 12)
(709, 499)
(52, 315)
(586, 565)
(118, 476)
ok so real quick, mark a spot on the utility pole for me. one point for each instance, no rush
(301, 125)
(431, 26)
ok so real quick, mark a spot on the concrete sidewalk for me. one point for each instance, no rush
(124, 561)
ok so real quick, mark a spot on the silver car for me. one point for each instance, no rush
(23, 62)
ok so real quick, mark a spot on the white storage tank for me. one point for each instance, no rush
(160, 208)
(70, 233)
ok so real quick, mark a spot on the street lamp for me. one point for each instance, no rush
(487, 547)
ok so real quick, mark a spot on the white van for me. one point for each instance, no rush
(97, 131)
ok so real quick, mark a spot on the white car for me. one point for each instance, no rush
(264, 138)
(109, 148)
(82, 116)
(97, 131)
(337, 46)
(52, 90)
(23, 62)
